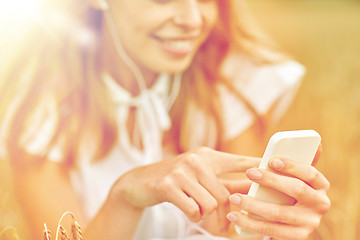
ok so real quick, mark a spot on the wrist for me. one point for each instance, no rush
(122, 193)
(116, 209)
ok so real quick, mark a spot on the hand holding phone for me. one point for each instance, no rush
(299, 146)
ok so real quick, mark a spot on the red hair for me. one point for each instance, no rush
(69, 73)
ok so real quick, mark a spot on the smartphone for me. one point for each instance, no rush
(299, 146)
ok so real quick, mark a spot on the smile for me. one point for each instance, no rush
(178, 47)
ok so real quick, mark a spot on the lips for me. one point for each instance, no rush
(177, 46)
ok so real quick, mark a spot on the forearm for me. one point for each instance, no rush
(116, 220)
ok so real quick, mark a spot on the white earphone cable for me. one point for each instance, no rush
(119, 47)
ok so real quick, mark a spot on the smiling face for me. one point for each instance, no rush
(163, 35)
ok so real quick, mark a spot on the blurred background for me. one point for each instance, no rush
(324, 35)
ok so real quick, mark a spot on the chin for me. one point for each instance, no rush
(172, 66)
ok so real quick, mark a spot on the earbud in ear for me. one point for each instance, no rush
(103, 4)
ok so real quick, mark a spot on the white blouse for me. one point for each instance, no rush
(262, 86)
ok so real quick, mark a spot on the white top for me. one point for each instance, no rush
(261, 86)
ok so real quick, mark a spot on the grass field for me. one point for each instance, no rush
(324, 35)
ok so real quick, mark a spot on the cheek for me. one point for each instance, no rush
(210, 14)
(128, 27)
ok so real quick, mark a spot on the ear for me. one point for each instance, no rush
(99, 4)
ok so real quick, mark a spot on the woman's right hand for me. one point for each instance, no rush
(189, 181)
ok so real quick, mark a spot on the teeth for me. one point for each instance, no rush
(179, 44)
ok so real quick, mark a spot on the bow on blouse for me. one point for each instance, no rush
(151, 116)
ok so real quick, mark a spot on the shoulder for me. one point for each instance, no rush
(262, 84)
(261, 87)
(38, 128)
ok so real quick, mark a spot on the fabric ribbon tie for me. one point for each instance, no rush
(151, 116)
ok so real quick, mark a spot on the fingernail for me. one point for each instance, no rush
(254, 174)
(277, 164)
(232, 217)
(235, 199)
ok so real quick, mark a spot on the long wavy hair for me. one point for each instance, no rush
(40, 64)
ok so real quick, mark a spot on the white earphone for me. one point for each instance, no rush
(119, 47)
(103, 5)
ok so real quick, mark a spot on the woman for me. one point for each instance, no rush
(108, 121)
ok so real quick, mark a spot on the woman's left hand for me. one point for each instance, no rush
(304, 183)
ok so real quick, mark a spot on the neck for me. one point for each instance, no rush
(113, 63)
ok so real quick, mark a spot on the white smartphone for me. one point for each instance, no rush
(299, 146)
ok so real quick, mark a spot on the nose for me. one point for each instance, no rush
(189, 15)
